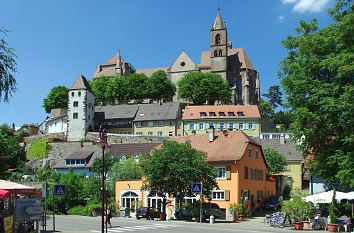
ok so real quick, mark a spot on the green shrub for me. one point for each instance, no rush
(90, 207)
(39, 149)
(77, 210)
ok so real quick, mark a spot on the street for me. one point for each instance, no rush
(71, 224)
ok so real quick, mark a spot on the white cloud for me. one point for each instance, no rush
(302, 6)
(280, 18)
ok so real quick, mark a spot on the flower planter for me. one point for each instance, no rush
(332, 227)
(298, 226)
(242, 217)
(163, 216)
(307, 225)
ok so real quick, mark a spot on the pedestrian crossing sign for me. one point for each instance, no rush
(196, 188)
(59, 190)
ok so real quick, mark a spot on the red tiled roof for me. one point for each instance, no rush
(228, 147)
(193, 112)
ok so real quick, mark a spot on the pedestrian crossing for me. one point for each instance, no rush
(136, 228)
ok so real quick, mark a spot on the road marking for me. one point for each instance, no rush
(136, 228)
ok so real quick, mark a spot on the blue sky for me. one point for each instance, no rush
(58, 40)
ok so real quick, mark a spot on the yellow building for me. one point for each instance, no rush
(162, 120)
(293, 172)
(198, 119)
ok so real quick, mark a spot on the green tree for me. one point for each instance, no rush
(282, 118)
(57, 98)
(99, 88)
(7, 68)
(317, 75)
(159, 87)
(265, 108)
(11, 153)
(274, 96)
(128, 169)
(136, 87)
(200, 88)
(174, 167)
(116, 89)
(109, 161)
(275, 161)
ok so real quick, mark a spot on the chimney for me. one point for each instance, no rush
(282, 139)
(211, 134)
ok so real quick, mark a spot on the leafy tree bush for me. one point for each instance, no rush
(159, 87)
(39, 149)
(11, 154)
(275, 161)
(57, 98)
(317, 76)
(174, 167)
(200, 88)
(7, 68)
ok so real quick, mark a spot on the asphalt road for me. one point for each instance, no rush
(78, 224)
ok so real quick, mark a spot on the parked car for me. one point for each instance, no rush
(148, 213)
(183, 214)
(211, 209)
(273, 203)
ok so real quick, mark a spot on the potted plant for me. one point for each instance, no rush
(332, 226)
(295, 210)
(309, 211)
(236, 210)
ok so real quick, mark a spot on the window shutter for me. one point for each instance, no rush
(228, 172)
(227, 195)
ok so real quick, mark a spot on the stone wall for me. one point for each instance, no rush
(126, 138)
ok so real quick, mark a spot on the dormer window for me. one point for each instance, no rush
(240, 114)
(203, 114)
(217, 39)
(222, 114)
(212, 114)
(231, 114)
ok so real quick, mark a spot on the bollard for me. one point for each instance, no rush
(211, 219)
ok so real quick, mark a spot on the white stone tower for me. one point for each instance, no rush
(81, 109)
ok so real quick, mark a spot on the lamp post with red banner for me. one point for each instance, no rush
(102, 138)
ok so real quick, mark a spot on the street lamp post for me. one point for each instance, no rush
(102, 138)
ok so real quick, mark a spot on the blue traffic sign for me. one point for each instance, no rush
(196, 188)
(59, 190)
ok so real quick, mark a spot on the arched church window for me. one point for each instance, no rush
(220, 53)
(215, 53)
(217, 39)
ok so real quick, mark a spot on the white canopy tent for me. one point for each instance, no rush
(326, 197)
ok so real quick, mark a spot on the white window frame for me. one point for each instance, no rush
(239, 126)
(139, 133)
(150, 124)
(201, 126)
(231, 124)
(223, 170)
(218, 195)
(150, 133)
(160, 123)
(223, 125)
(170, 134)
(250, 124)
(191, 126)
(139, 124)
(159, 133)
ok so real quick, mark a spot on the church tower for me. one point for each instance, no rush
(219, 47)
(81, 109)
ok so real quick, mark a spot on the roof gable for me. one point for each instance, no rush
(183, 63)
(81, 84)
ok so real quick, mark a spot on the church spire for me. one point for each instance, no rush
(218, 23)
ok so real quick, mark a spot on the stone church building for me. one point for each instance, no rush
(233, 64)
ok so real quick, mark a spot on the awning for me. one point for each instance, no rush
(14, 188)
(4, 193)
(326, 197)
